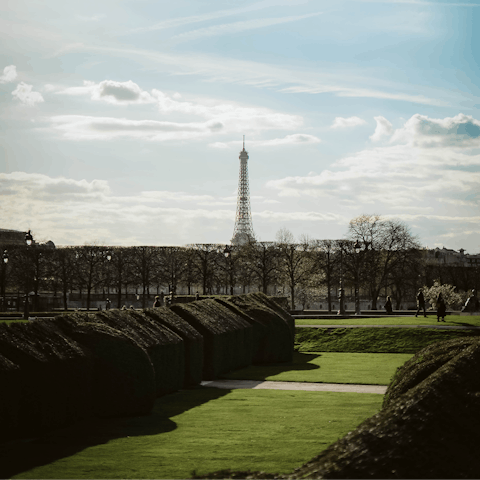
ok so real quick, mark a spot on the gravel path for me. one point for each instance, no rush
(308, 387)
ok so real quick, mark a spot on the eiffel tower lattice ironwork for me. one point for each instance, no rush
(243, 231)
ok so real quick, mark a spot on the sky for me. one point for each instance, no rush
(121, 121)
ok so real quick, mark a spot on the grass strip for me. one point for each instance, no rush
(431, 319)
(328, 367)
(373, 340)
(205, 430)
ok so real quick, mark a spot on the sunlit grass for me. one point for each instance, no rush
(328, 367)
(452, 320)
(204, 430)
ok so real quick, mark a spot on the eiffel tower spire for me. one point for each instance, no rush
(243, 231)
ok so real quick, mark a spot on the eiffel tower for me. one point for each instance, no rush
(243, 231)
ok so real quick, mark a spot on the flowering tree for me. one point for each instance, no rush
(449, 295)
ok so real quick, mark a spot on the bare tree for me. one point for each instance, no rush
(205, 264)
(144, 268)
(387, 242)
(294, 260)
(326, 263)
(89, 260)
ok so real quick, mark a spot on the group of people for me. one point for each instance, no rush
(440, 304)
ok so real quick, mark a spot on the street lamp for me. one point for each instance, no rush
(358, 248)
(109, 258)
(29, 242)
(341, 296)
(29, 238)
(4, 268)
(228, 256)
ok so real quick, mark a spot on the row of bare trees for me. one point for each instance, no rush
(376, 255)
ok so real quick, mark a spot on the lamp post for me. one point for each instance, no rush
(109, 258)
(228, 256)
(341, 295)
(26, 308)
(358, 248)
(4, 268)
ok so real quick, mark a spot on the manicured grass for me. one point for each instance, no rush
(373, 340)
(204, 430)
(452, 320)
(328, 367)
(13, 321)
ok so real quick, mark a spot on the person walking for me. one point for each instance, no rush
(388, 306)
(441, 308)
(157, 302)
(420, 303)
(108, 305)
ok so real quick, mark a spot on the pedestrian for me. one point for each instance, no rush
(157, 302)
(388, 306)
(420, 303)
(108, 305)
(197, 296)
(441, 308)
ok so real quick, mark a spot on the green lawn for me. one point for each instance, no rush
(374, 340)
(205, 429)
(328, 367)
(452, 320)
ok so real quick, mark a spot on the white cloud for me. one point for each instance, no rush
(341, 122)
(24, 93)
(383, 129)
(9, 74)
(461, 131)
(424, 174)
(295, 139)
(120, 92)
(237, 27)
(79, 127)
(110, 91)
(232, 116)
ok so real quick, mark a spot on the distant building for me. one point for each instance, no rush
(11, 237)
(449, 257)
(16, 237)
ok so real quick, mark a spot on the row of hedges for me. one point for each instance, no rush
(115, 363)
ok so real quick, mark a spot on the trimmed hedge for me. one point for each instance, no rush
(164, 347)
(114, 363)
(192, 339)
(278, 333)
(227, 337)
(45, 377)
(124, 378)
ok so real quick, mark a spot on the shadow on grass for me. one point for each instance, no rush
(261, 372)
(462, 324)
(23, 455)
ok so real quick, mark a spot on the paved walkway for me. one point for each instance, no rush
(308, 387)
(438, 326)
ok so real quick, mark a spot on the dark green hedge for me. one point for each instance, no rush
(227, 337)
(165, 348)
(278, 333)
(46, 379)
(192, 339)
(114, 363)
(123, 381)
